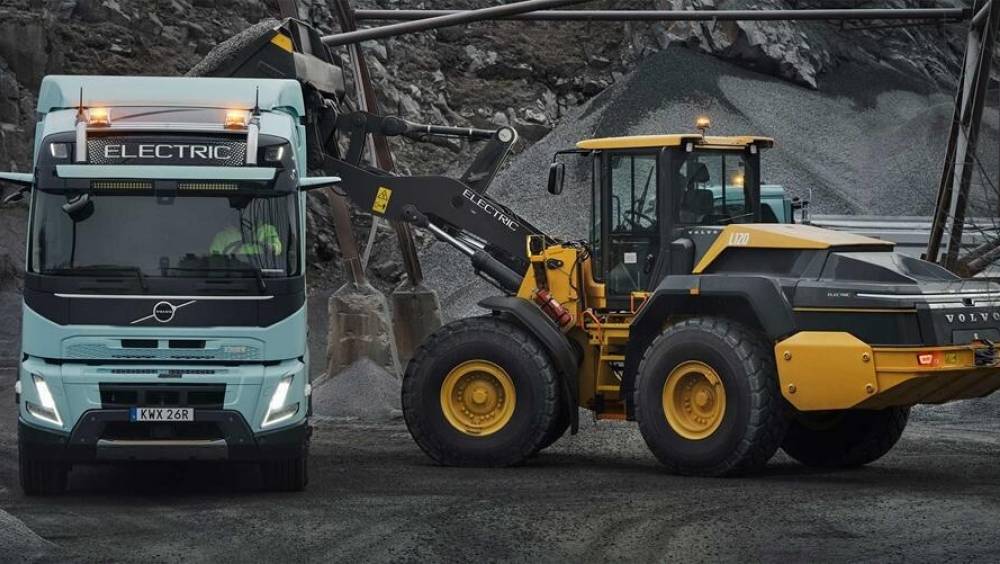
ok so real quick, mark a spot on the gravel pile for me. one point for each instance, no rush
(870, 140)
(362, 391)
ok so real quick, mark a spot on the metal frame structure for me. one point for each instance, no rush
(960, 159)
(937, 14)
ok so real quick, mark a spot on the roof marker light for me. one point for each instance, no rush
(99, 117)
(236, 119)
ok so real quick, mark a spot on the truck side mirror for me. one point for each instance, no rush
(314, 182)
(557, 174)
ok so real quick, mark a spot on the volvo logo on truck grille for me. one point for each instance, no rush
(163, 312)
(120, 150)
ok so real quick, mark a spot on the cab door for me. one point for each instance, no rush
(627, 223)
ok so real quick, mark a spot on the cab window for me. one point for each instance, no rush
(710, 189)
(632, 226)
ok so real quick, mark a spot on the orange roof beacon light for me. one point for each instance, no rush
(236, 119)
(99, 117)
(702, 123)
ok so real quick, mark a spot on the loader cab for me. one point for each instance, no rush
(659, 201)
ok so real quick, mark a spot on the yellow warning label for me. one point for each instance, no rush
(381, 199)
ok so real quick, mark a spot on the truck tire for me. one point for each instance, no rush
(42, 477)
(844, 439)
(480, 392)
(707, 398)
(285, 475)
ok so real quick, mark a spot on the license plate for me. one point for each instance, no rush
(164, 414)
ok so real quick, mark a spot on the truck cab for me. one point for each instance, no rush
(164, 308)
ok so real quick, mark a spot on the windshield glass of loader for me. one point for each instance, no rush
(186, 235)
(710, 187)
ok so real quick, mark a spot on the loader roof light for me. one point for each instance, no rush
(236, 119)
(702, 123)
(99, 117)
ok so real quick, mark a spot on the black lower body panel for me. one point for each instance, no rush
(106, 435)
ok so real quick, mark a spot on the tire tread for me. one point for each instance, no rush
(766, 428)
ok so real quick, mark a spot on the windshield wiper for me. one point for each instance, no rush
(255, 270)
(100, 269)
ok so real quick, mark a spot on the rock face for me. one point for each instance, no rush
(533, 76)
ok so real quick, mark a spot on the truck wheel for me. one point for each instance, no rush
(285, 475)
(844, 439)
(42, 477)
(480, 392)
(707, 398)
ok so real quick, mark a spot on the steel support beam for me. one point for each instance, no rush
(339, 211)
(935, 14)
(378, 147)
(945, 240)
(457, 18)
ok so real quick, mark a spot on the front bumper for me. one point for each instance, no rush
(826, 370)
(108, 436)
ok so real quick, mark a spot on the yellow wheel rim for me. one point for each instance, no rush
(694, 400)
(477, 398)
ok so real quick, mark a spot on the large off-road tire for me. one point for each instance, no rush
(285, 475)
(844, 439)
(42, 477)
(480, 392)
(707, 398)
(559, 426)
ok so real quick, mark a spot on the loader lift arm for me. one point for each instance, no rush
(456, 211)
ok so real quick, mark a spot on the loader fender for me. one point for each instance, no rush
(756, 301)
(565, 357)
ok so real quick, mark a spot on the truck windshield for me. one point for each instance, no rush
(186, 235)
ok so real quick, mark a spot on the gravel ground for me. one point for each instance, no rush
(597, 496)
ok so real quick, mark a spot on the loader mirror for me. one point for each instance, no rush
(557, 174)
(314, 182)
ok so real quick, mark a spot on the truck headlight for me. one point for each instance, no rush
(47, 411)
(277, 410)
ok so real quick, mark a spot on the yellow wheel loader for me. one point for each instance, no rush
(724, 334)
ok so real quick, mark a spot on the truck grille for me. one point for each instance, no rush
(204, 396)
(99, 351)
(171, 152)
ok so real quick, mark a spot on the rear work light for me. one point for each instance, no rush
(929, 359)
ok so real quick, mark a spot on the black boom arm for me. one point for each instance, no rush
(494, 237)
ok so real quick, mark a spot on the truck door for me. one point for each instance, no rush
(628, 223)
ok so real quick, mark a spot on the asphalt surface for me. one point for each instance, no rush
(598, 496)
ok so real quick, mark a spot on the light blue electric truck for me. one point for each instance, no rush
(164, 308)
